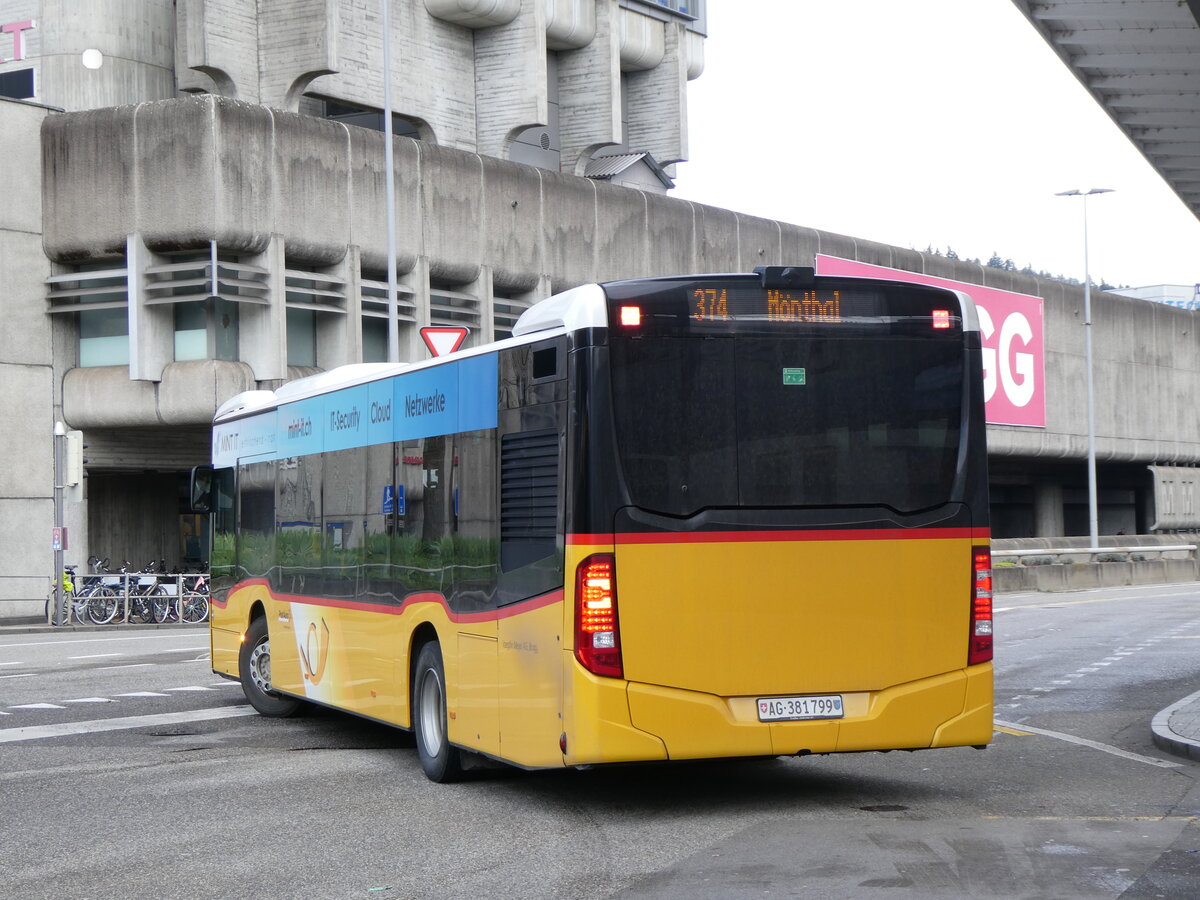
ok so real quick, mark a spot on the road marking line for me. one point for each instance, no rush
(143, 694)
(1095, 745)
(91, 700)
(1014, 731)
(66, 729)
(190, 688)
(1092, 818)
(38, 706)
(108, 640)
(22, 675)
(13, 664)
(1078, 602)
(95, 656)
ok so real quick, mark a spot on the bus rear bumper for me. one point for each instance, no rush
(954, 709)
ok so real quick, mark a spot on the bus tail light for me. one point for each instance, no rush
(597, 637)
(979, 650)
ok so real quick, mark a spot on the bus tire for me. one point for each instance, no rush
(254, 666)
(439, 760)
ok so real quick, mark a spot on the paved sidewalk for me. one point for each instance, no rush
(1177, 728)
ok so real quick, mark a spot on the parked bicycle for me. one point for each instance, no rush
(80, 591)
(186, 599)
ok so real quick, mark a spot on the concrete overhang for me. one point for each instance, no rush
(1140, 59)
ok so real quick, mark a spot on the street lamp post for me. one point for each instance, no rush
(1093, 505)
(393, 332)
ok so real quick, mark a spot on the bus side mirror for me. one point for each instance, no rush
(200, 489)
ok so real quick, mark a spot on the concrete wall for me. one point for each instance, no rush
(28, 395)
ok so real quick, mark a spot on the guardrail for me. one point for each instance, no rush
(1067, 555)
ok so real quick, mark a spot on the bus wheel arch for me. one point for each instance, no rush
(254, 670)
(440, 760)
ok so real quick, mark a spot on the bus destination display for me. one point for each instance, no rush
(713, 305)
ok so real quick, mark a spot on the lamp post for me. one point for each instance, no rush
(393, 332)
(1093, 506)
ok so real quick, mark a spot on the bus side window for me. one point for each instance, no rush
(532, 416)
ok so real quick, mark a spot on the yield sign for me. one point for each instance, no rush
(443, 339)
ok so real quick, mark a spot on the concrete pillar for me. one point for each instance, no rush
(151, 328)
(339, 337)
(656, 102)
(216, 48)
(416, 279)
(298, 43)
(589, 92)
(1048, 509)
(511, 93)
(262, 341)
(482, 289)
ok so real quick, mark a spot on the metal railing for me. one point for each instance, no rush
(140, 597)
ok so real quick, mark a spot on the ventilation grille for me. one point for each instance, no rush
(529, 485)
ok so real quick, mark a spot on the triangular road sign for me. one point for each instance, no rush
(443, 339)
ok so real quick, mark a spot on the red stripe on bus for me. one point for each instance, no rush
(388, 609)
(721, 537)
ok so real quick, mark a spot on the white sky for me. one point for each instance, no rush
(924, 122)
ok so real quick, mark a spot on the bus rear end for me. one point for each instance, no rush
(779, 525)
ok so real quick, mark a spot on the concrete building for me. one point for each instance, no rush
(1182, 296)
(205, 213)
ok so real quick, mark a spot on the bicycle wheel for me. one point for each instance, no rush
(163, 605)
(141, 608)
(80, 601)
(102, 607)
(195, 608)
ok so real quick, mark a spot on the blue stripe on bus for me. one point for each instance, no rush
(447, 399)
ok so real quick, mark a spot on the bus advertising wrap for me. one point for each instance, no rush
(1012, 330)
(444, 399)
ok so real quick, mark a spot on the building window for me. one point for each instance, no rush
(301, 337)
(206, 330)
(367, 117)
(373, 291)
(98, 294)
(374, 340)
(104, 337)
(18, 85)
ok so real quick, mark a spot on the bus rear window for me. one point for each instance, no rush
(787, 420)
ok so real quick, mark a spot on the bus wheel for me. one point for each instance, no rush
(254, 664)
(439, 760)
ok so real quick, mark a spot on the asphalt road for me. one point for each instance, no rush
(128, 770)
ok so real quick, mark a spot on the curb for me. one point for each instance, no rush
(1171, 741)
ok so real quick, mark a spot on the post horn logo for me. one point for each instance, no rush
(316, 646)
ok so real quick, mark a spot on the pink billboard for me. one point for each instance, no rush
(1011, 324)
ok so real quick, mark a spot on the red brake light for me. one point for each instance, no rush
(597, 638)
(631, 316)
(941, 318)
(979, 649)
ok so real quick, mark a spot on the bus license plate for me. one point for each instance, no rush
(784, 709)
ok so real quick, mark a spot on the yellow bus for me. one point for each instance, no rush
(669, 518)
